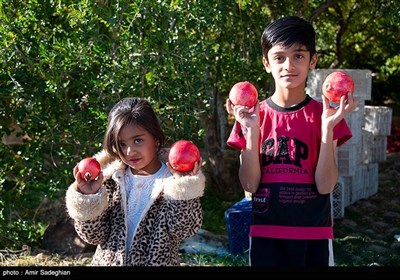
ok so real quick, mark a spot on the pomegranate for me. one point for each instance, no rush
(336, 84)
(243, 93)
(182, 155)
(89, 168)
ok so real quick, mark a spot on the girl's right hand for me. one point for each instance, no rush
(87, 187)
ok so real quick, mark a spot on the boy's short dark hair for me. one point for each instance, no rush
(288, 31)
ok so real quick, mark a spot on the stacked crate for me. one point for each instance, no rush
(358, 158)
(377, 126)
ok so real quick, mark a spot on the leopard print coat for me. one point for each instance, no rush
(100, 218)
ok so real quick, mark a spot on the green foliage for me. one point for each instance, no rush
(363, 35)
(63, 64)
(19, 232)
(215, 205)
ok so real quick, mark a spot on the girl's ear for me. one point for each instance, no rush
(266, 64)
(313, 61)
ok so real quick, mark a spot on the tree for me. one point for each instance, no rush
(65, 63)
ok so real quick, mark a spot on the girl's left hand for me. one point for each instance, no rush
(178, 174)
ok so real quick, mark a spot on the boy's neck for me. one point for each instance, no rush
(288, 97)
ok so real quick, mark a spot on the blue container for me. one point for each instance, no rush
(238, 219)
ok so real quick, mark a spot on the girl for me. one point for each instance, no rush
(138, 209)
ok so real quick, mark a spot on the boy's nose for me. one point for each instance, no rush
(288, 64)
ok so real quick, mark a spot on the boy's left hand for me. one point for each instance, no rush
(335, 115)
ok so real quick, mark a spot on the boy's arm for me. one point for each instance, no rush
(326, 173)
(250, 170)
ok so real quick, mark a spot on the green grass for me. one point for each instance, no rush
(214, 206)
(214, 260)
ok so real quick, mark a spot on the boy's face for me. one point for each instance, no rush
(289, 65)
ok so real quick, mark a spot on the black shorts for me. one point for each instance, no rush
(289, 253)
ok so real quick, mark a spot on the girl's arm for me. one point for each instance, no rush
(90, 213)
(182, 197)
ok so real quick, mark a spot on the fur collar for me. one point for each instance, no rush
(108, 164)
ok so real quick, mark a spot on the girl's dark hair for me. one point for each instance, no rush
(288, 31)
(131, 110)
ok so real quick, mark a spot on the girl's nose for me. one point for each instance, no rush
(129, 150)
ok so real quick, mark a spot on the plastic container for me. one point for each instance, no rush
(238, 219)
(378, 120)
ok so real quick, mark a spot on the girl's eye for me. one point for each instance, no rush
(122, 145)
(138, 141)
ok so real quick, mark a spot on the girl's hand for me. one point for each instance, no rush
(90, 186)
(178, 174)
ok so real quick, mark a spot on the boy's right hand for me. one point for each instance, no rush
(87, 187)
(229, 106)
(247, 117)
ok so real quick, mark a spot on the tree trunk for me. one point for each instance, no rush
(222, 162)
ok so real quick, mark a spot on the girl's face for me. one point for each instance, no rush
(139, 149)
(289, 65)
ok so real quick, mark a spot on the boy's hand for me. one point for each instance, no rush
(332, 116)
(350, 104)
(247, 117)
(229, 106)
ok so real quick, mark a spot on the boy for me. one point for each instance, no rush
(288, 153)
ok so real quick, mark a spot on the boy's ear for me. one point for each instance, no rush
(313, 61)
(266, 64)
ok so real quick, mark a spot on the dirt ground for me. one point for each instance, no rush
(366, 236)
